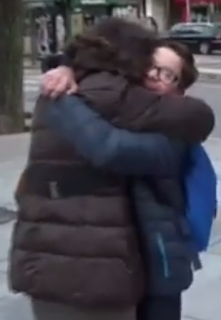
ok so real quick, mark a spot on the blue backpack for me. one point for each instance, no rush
(200, 183)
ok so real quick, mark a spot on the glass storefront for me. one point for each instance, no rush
(48, 22)
(200, 13)
(217, 12)
(44, 27)
(201, 10)
(206, 12)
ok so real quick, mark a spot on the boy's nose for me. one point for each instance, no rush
(153, 75)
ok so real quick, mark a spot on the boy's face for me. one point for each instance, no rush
(165, 74)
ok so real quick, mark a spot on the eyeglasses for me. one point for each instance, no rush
(164, 74)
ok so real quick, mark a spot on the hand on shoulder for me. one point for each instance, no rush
(58, 81)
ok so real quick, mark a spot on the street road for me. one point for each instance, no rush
(211, 61)
(31, 82)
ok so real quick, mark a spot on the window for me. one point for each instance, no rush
(202, 29)
(192, 28)
(182, 28)
(179, 27)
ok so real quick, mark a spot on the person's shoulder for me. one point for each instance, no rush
(102, 89)
(202, 114)
(103, 81)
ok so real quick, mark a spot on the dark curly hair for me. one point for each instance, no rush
(114, 45)
(189, 72)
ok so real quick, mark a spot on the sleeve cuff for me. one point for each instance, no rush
(65, 61)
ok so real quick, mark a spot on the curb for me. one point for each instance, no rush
(211, 76)
(28, 121)
(7, 215)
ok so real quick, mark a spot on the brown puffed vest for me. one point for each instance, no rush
(74, 241)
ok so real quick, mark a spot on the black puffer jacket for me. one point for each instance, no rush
(165, 236)
(159, 199)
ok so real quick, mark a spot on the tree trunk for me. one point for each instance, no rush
(11, 66)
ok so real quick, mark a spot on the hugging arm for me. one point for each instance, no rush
(184, 118)
(107, 146)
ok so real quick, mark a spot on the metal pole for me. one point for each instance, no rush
(188, 10)
(149, 8)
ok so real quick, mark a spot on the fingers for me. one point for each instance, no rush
(49, 84)
(73, 89)
(59, 87)
(57, 82)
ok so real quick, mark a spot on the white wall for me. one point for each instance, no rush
(158, 9)
(27, 45)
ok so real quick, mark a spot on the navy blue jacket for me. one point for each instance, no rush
(154, 165)
(117, 149)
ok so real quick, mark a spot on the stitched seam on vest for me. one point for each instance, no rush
(75, 224)
(74, 256)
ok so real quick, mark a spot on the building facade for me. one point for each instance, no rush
(195, 10)
(159, 10)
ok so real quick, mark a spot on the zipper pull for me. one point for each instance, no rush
(54, 192)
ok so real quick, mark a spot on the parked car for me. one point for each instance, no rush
(200, 37)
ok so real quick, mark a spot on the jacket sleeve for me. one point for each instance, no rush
(184, 118)
(105, 145)
(53, 61)
(178, 117)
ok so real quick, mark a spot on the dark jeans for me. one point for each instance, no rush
(159, 307)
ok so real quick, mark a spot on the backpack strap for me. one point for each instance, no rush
(196, 261)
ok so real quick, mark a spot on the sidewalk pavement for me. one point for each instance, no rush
(29, 64)
(209, 75)
(201, 302)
